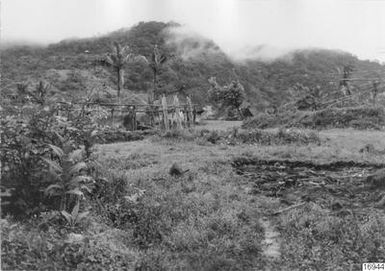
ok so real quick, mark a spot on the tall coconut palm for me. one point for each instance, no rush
(157, 61)
(118, 59)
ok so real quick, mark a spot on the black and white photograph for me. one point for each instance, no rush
(197, 135)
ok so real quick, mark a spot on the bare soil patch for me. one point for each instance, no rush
(336, 186)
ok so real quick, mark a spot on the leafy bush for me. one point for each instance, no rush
(263, 121)
(24, 248)
(45, 157)
(75, 217)
(283, 136)
(355, 117)
(253, 136)
(212, 137)
(340, 117)
(228, 97)
(364, 124)
(116, 135)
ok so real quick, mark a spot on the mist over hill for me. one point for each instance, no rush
(266, 73)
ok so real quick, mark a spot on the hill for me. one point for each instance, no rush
(70, 65)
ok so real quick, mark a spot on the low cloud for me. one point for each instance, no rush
(190, 44)
(265, 53)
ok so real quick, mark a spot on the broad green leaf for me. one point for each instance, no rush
(59, 136)
(55, 167)
(75, 210)
(75, 191)
(56, 150)
(82, 179)
(51, 187)
(67, 216)
(85, 187)
(82, 216)
(78, 167)
(94, 133)
(53, 176)
(76, 155)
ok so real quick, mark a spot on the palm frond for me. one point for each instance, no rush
(76, 192)
(75, 210)
(67, 216)
(81, 179)
(78, 167)
(56, 150)
(81, 216)
(55, 167)
(76, 155)
(51, 188)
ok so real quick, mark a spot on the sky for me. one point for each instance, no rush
(356, 26)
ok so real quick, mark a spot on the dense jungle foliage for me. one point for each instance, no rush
(72, 65)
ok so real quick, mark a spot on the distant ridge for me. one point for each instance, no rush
(266, 83)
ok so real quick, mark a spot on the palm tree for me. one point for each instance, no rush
(41, 91)
(118, 59)
(157, 61)
(375, 90)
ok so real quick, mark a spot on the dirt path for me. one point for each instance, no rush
(272, 240)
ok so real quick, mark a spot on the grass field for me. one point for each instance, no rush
(211, 217)
(218, 124)
(234, 230)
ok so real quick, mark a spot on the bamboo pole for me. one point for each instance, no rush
(165, 113)
(177, 112)
(190, 112)
(132, 113)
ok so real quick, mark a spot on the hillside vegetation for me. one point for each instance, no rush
(355, 117)
(71, 66)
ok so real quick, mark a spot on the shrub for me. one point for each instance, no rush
(364, 124)
(24, 248)
(355, 117)
(283, 136)
(45, 156)
(261, 121)
(113, 135)
(213, 137)
(340, 117)
(229, 97)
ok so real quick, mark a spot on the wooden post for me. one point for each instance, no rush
(133, 119)
(177, 112)
(112, 116)
(375, 91)
(129, 120)
(190, 112)
(165, 113)
(186, 117)
(149, 111)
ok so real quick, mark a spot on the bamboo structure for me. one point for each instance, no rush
(180, 115)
